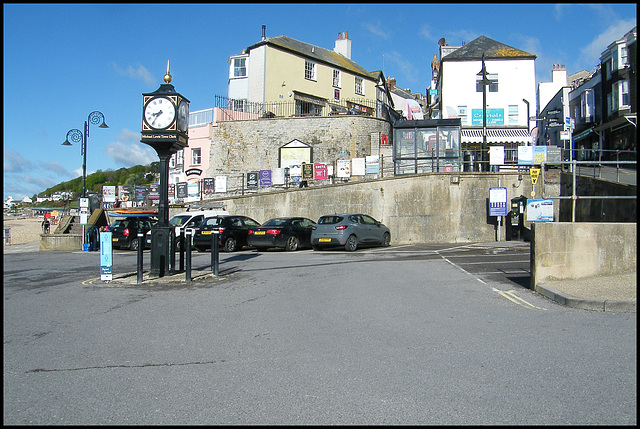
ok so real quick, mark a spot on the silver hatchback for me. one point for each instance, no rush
(349, 230)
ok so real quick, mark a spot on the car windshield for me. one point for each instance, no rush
(276, 222)
(330, 220)
(179, 220)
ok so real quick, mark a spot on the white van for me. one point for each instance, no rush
(189, 219)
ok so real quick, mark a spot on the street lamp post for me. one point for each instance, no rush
(77, 136)
(484, 82)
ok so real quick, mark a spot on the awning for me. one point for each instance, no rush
(584, 134)
(497, 135)
(622, 120)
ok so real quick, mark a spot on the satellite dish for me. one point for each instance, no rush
(441, 42)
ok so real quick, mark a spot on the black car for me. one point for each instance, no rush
(289, 233)
(125, 230)
(231, 230)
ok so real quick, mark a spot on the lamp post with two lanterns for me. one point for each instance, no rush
(77, 136)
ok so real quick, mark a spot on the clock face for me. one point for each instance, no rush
(183, 116)
(159, 113)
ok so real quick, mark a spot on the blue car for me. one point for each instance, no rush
(349, 230)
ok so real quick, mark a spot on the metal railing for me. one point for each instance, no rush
(236, 110)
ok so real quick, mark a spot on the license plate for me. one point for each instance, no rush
(114, 239)
(259, 233)
(324, 240)
(206, 232)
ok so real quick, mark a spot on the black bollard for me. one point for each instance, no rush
(187, 245)
(214, 252)
(172, 252)
(140, 258)
(181, 249)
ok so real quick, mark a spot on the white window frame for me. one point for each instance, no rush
(623, 88)
(513, 113)
(462, 114)
(239, 70)
(492, 87)
(309, 70)
(196, 156)
(359, 85)
(337, 78)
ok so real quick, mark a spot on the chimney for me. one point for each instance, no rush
(343, 45)
(391, 83)
(559, 75)
(264, 30)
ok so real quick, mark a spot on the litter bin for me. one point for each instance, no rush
(7, 235)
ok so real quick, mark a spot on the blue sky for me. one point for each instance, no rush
(63, 61)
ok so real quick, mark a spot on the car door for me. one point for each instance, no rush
(374, 232)
(304, 226)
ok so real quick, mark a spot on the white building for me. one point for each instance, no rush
(510, 97)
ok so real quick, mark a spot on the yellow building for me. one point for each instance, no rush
(287, 77)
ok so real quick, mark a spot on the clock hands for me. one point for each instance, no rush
(155, 116)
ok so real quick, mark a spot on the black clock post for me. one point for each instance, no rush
(165, 120)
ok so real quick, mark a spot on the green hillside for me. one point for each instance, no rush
(136, 175)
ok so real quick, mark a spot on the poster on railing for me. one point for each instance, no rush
(372, 164)
(343, 167)
(496, 155)
(277, 176)
(539, 154)
(208, 186)
(358, 167)
(252, 179)
(108, 194)
(265, 178)
(319, 171)
(193, 190)
(220, 183)
(525, 155)
(181, 190)
(295, 173)
(307, 171)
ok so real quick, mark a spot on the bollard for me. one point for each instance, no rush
(181, 249)
(187, 246)
(172, 252)
(140, 255)
(214, 252)
(7, 235)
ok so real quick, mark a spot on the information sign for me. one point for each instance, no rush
(106, 256)
(498, 201)
(535, 173)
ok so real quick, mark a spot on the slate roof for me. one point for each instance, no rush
(491, 49)
(314, 53)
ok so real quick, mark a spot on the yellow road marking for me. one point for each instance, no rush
(516, 299)
(90, 281)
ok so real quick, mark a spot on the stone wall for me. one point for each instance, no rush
(423, 208)
(573, 250)
(241, 146)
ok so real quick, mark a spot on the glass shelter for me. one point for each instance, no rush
(427, 146)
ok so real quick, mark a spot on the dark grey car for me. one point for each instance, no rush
(349, 230)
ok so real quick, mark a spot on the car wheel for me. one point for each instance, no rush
(386, 239)
(352, 243)
(292, 243)
(230, 245)
(134, 244)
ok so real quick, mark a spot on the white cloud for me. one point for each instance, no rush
(130, 155)
(139, 72)
(377, 30)
(129, 136)
(406, 67)
(590, 54)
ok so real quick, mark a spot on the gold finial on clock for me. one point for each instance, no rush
(167, 77)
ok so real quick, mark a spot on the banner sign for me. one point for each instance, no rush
(106, 256)
(252, 180)
(307, 171)
(208, 186)
(540, 210)
(319, 171)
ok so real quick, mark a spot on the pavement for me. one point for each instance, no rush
(613, 293)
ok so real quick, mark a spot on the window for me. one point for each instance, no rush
(309, 70)
(196, 158)
(513, 113)
(624, 59)
(172, 161)
(336, 78)
(624, 92)
(239, 67)
(359, 86)
(492, 87)
(462, 114)
(587, 105)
